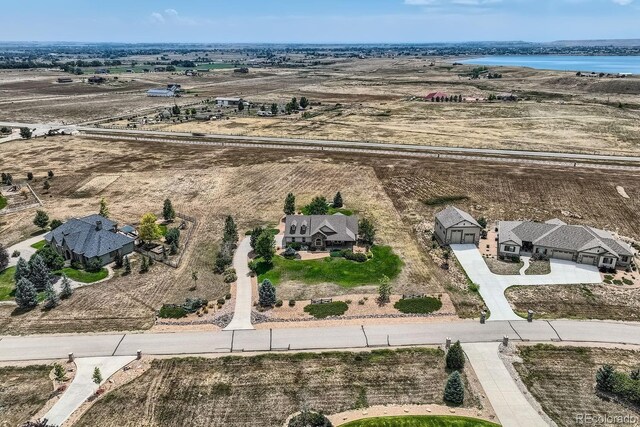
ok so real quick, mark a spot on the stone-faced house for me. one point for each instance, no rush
(455, 226)
(556, 239)
(88, 238)
(321, 232)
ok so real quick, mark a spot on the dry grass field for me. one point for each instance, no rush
(607, 302)
(23, 391)
(264, 390)
(562, 379)
(250, 184)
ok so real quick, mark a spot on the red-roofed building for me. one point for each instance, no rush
(436, 96)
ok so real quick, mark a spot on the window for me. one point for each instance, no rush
(509, 248)
(607, 260)
(304, 240)
(318, 242)
(292, 230)
(293, 239)
(625, 258)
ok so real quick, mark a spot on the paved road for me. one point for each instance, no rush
(492, 286)
(83, 386)
(244, 288)
(15, 348)
(511, 406)
(356, 144)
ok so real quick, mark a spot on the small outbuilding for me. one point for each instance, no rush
(455, 226)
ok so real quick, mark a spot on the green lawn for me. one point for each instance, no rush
(320, 311)
(83, 276)
(163, 229)
(3, 202)
(421, 421)
(306, 210)
(334, 270)
(39, 245)
(7, 284)
(273, 231)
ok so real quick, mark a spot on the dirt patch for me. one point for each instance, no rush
(498, 266)
(264, 390)
(562, 379)
(23, 391)
(538, 267)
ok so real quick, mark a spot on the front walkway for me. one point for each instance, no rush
(511, 406)
(83, 386)
(492, 286)
(244, 288)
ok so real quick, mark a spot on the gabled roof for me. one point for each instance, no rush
(91, 236)
(333, 227)
(557, 234)
(452, 216)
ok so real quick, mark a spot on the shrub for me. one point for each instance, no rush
(76, 265)
(52, 259)
(455, 357)
(335, 254)
(227, 296)
(295, 245)
(230, 275)
(15, 254)
(605, 378)
(279, 303)
(309, 419)
(351, 256)
(290, 253)
(172, 236)
(361, 302)
(172, 311)
(320, 311)
(292, 303)
(418, 305)
(221, 301)
(93, 266)
(454, 389)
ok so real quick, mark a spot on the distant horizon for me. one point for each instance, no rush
(320, 21)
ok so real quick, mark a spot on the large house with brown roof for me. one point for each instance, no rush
(321, 232)
(556, 239)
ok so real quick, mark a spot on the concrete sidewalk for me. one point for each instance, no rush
(244, 288)
(511, 406)
(83, 386)
(492, 286)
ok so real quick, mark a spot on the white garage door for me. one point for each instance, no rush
(589, 259)
(469, 238)
(563, 255)
(456, 236)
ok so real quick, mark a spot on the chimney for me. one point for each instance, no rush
(98, 225)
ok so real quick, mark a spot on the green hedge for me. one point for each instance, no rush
(418, 305)
(320, 311)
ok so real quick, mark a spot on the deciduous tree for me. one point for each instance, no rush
(266, 246)
(318, 206)
(148, 229)
(4, 257)
(366, 231)
(253, 238)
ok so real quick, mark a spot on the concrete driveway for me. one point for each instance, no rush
(25, 249)
(492, 286)
(244, 288)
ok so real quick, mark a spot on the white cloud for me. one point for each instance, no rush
(171, 16)
(622, 2)
(157, 17)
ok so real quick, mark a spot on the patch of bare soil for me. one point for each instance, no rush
(23, 391)
(264, 390)
(498, 266)
(562, 379)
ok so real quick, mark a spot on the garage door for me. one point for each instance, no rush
(589, 259)
(469, 238)
(456, 236)
(563, 255)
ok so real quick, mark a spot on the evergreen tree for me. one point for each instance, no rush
(290, 204)
(104, 209)
(337, 200)
(50, 174)
(119, 260)
(255, 233)
(66, 290)
(304, 102)
(97, 375)
(59, 372)
(46, 185)
(230, 231)
(52, 259)
(40, 275)
(41, 219)
(173, 249)
(274, 109)
(168, 213)
(267, 294)
(366, 231)
(266, 246)
(605, 378)
(318, 206)
(25, 133)
(55, 223)
(172, 236)
(454, 390)
(384, 290)
(127, 265)
(144, 265)
(455, 357)
(51, 297)
(26, 295)
(4, 257)
(22, 270)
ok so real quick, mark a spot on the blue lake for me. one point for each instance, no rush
(598, 64)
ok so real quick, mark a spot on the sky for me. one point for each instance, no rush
(318, 21)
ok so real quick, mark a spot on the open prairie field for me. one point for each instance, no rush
(23, 391)
(265, 390)
(562, 379)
